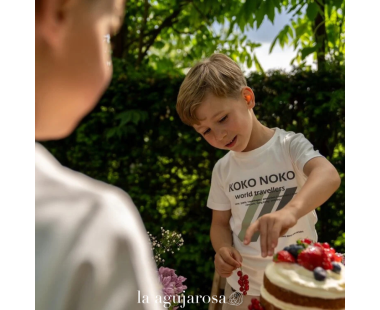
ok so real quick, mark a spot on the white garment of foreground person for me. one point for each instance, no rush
(92, 250)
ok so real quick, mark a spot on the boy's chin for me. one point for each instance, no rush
(54, 133)
(58, 129)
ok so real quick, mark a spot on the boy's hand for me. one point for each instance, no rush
(227, 259)
(271, 227)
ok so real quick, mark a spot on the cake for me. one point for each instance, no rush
(304, 276)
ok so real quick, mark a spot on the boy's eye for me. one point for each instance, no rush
(206, 132)
(223, 119)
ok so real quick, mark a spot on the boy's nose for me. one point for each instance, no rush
(221, 134)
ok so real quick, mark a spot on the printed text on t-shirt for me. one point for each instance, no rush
(273, 178)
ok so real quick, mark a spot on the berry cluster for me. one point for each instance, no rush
(243, 282)
(313, 256)
(255, 305)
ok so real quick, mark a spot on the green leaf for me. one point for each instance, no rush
(301, 29)
(278, 4)
(291, 9)
(248, 8)
(282, 37)
(258, 66)
(125, 117)
(337, 3)
(273, 44)
(241, 20)
(253, 45)
(270, 10)
(249, 61)
(299, 11)
(306, 51)
(252, 6)
(110, 133)
(260, 15)
(134, 116)
(231, 28)
(312, 11)
(159, 44)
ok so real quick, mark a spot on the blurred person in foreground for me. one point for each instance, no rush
(91, 247)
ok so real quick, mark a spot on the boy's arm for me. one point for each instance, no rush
(227, 258)
(323, 180)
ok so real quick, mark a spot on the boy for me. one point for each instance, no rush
(92, 250)
(264, 191)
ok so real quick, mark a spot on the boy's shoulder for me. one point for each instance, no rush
(79, 215)
(288, 136)
(60, 192)
(83, 225)
(223, 161)
(285, 139)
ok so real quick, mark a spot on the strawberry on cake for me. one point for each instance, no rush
(307, 275)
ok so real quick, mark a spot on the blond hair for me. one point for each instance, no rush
(218, 75)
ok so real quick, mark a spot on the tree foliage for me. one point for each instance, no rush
(316, 26)
(172, 34)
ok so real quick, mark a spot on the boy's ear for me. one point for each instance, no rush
(50, 17)
(249, 97)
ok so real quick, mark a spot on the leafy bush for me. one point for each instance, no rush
(134, 140)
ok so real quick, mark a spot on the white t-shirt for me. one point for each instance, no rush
(254, 183)
(92, 251)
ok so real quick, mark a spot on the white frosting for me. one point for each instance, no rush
(283, 305)
(295, 278)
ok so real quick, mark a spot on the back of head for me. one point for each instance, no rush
(72, 61)
(218, 75)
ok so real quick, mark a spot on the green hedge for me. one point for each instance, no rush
(134, 140)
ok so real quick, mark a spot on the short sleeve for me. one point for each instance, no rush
(301, 150)
(217, 198)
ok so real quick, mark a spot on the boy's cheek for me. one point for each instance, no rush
(213, 143)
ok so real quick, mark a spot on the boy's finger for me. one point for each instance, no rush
(250, 231)
(229, 260)
(223, 268)
(273, 237)
(263, 238)
(224, 274)
(237, 256)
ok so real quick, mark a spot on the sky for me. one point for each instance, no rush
(279, 58)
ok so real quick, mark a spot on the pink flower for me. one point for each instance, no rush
(172, 284)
